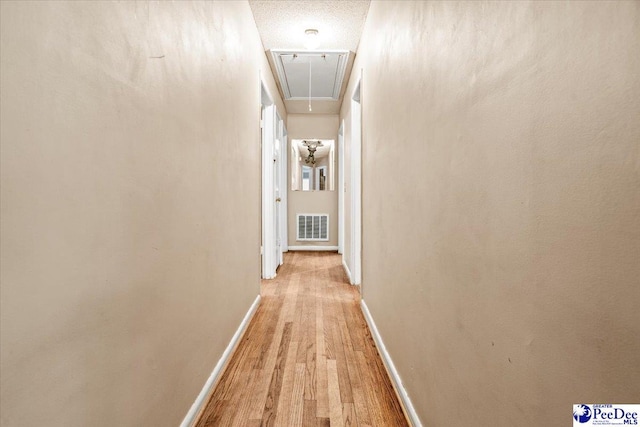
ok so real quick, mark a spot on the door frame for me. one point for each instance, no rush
(316, 183)
(356, 184)
(268, 127)
(341, 189)
(283, 188)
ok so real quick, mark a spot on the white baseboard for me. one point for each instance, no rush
(346, 270)
(395, 377)
(313, 248)
(198, 405)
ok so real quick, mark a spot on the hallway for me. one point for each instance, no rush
(477, 163)
(307, 357)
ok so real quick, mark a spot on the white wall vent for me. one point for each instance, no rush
(314, 227)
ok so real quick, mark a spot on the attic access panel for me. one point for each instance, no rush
(327, 70)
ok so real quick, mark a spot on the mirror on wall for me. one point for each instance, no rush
(312, 164)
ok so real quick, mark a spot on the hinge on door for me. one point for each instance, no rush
(261, 124)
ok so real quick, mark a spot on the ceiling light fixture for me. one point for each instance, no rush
(312, 146)
(311, 40)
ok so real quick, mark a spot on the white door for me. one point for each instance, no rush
(276, 203)
(307, 176)
(280, 169)
(284, 183)
(277, 190)
(269, 193)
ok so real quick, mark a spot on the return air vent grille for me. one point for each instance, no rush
(325, 72)
(314, 227)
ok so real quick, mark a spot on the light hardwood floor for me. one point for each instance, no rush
(307, 357)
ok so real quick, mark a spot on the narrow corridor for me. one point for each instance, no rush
(307, 357)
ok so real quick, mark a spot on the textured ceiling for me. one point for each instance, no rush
(281, 23)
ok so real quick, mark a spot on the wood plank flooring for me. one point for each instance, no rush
(307, 357)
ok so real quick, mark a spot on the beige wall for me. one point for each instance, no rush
(122, 282)
(307, 126)
(503, 269)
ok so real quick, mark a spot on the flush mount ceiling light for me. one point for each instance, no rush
(311, 39)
